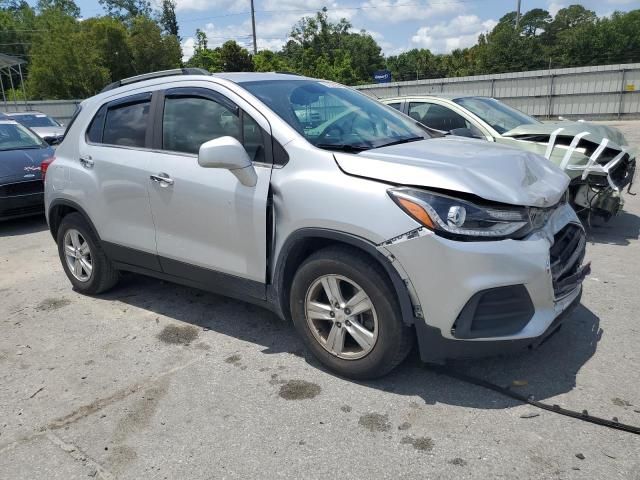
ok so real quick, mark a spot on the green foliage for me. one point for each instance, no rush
(68, 58)
(168, 17)
(329, 50)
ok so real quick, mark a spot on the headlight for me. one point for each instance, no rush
(459, 219)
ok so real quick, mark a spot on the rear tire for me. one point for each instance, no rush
(364, 345)
(83, 259)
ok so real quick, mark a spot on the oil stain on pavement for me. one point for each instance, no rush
(299, 390)
(50, 304)
(178, 335)
(424, 444)
(375, 422)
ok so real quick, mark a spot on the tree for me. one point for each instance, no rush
(268, 61)
(67, 7)
(234, 58)
(168, 17)
(126, 10)
(534, 22)
(150, 50)
(64, 64)
(330, 50)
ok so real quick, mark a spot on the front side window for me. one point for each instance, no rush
(126, 124)
(14, 136)
(499, 116)
(188, 122)
(437, 116)
(334, 117)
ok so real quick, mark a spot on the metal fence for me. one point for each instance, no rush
(61, 110)
(607, 91)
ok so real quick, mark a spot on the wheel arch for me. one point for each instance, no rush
(304, 242)
(59, 209)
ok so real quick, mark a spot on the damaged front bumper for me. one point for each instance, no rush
(490, 297)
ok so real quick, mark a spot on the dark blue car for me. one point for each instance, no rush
(21, 186)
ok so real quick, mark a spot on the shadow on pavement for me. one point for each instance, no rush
(23, 226)
(549, 371)
(618, 231)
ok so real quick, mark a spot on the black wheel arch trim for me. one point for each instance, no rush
(58, 202)
(278, 290)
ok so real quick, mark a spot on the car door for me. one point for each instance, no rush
(443, 118)
(209, 227)
(113, 179)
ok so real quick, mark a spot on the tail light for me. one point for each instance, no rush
(44, 166)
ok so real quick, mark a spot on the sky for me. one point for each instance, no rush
(397, 25)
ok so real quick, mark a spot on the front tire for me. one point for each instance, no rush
(82, 257)
(347, 314)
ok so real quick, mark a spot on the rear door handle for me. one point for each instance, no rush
(87, 162)
(162, 178)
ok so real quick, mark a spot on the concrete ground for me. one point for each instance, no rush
(158, 381)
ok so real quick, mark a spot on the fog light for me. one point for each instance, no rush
(456, 216)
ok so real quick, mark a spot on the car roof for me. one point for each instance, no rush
(241, 77)
(30, 112)
(9, 121)
(444, 96)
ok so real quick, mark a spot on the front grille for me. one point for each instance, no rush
(567, 253)
(22, 188)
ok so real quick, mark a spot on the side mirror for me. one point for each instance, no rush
(52, 141)
(466, 132)
(228, 153)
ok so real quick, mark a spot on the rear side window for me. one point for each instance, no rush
(437, 116)
(395, 105)
(126, 124)
(94, 132)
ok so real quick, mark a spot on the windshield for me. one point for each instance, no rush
(15, 137)
(36, 120)
(331, 116)
(498, 115)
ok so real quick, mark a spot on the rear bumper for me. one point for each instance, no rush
(21, 206)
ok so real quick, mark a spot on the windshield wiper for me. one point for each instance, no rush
(341, 147)
(398, 142)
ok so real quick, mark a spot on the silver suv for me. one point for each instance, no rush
(309, 198)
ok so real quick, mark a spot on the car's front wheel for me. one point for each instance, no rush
(347, 314)
(82, 257)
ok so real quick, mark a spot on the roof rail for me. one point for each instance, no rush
(160, 74)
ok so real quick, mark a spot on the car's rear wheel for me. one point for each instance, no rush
(347, 314)
(82, 257)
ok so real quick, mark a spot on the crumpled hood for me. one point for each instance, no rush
(596, 132)
(490, 171)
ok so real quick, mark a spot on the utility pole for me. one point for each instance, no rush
(517, 15)
(253, 26)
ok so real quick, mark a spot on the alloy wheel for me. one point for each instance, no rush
(341, 317)
(78, 255)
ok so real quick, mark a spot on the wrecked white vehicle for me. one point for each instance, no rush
(597, 158)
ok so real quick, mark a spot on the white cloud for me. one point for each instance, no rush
(554, 7)
(231, 6)
(188, 47)
(460, 32)
(403, 10)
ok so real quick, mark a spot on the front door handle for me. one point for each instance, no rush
(86, 162)
(162, 178)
